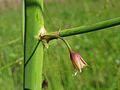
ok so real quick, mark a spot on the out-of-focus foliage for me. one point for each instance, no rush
(11, 47)
(10, 4)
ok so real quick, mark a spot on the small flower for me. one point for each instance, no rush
(77, 61)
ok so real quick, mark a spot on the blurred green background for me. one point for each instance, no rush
(11, 47)
(101, 49)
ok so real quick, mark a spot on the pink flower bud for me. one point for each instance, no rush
(77, 61)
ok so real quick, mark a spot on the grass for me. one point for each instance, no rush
(11, 49)
(101, 50)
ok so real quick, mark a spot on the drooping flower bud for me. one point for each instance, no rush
(77, 61)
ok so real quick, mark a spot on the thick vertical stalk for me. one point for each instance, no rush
(33, 23)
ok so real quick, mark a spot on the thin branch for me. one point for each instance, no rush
(10, 64)
(10, 42)
(89, 28)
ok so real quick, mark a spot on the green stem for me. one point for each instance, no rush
(89, 28)
(33, 24)
(31, 54)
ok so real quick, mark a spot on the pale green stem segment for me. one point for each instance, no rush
(89, 28)
(33, 23)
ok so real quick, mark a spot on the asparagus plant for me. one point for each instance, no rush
(33, 48)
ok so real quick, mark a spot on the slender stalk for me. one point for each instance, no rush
(68, 46)
(12, 63)
(10, 42)
(33, 23)
(89, 28)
